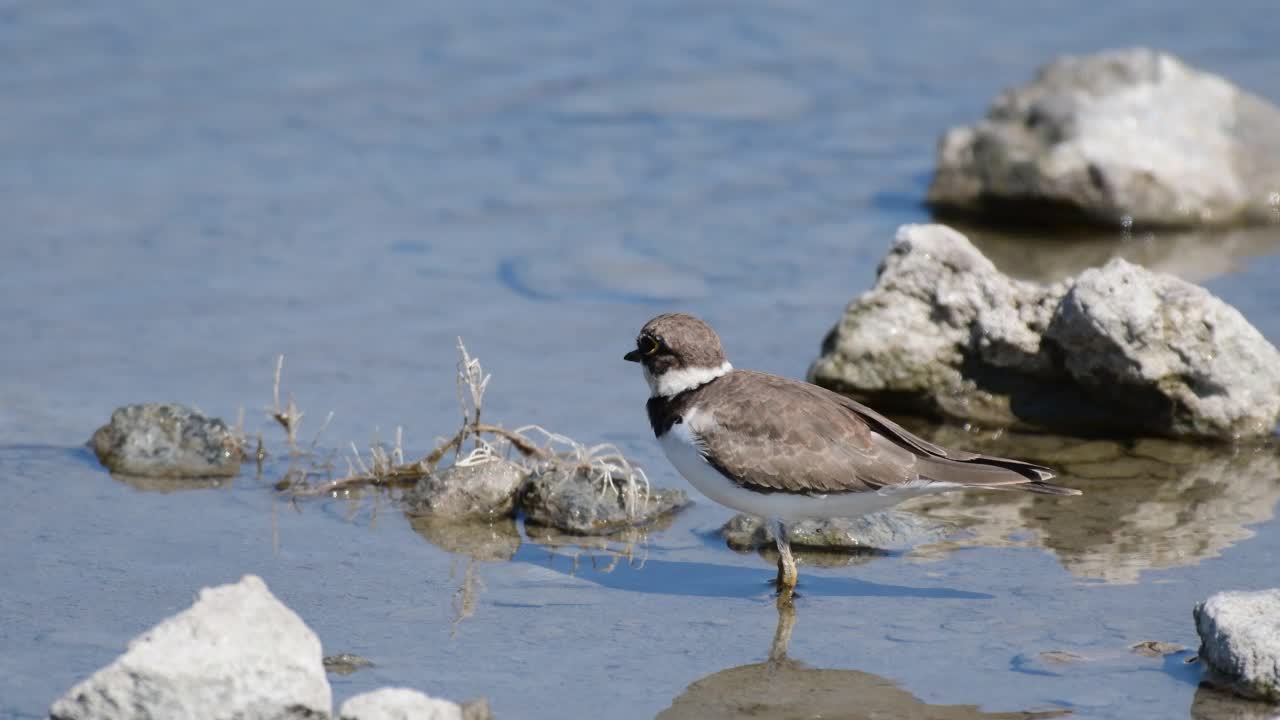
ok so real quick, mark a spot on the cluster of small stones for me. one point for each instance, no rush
(565, 497)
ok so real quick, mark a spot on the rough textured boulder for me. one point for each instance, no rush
(888, 530)
(166, 441)
(1118, 348)
(478, 490)
(398, 704)
(1129, 133)
(567, 499)
(1240, 641)
(237, 653)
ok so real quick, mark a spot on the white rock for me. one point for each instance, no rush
(1240, 641)
(398, 704)
(1129, 133)
(1205, 368)
(1119, 348)
(238, 652)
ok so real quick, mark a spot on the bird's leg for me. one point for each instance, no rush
(787, 573)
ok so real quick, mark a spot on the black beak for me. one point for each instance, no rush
(633, 356)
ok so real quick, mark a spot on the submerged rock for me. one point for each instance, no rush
(1121, 136)
(485, 489)
(398, 704)
(567, 499)
(888, 530)
(346, 663)
(160, 440)
(1118, 348)
(238, 652)
(1240, 641)
(1156, 648)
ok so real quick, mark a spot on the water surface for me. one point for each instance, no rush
(191, 189)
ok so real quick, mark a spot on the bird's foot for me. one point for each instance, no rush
(784, 593)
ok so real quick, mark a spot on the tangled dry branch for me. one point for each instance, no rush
(538, 449)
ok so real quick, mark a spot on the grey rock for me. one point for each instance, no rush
(238, 652)
(1240, 641)
(398, 704)
(1188, 358)
(1121, 134)
(479, 490)
(163, 440)
(567, 499)
(889, 530)
(1117, 348)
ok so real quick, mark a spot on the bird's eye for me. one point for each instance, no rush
(648, 345)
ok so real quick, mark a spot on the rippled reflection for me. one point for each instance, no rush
(781, 687)
(1147, 504)
(1211, 704)
(1194, 255)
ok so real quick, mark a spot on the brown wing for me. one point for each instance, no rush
(818, 442)
(803, 444)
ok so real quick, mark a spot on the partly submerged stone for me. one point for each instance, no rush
(238, 652)
(1121, 136)
(888, 530)
(567, 498)
(1118, 348)
(1240, 641)
(346, 663)
(165, 440)
(1156, 648)
(484, 489)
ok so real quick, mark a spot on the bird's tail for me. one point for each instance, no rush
(994, 473)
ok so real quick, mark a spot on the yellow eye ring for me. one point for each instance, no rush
(648, 345)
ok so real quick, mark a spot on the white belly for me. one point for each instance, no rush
(684, 454)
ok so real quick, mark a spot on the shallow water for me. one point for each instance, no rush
(190, 191)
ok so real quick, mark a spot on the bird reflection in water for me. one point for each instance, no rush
(782, 687)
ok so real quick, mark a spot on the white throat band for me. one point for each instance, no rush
(674, 382)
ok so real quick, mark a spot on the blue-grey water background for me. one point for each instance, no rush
(190, 189)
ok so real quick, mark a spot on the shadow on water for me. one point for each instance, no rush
(621, 562)
(781, 687)
(1148, 503)
(667, 577)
